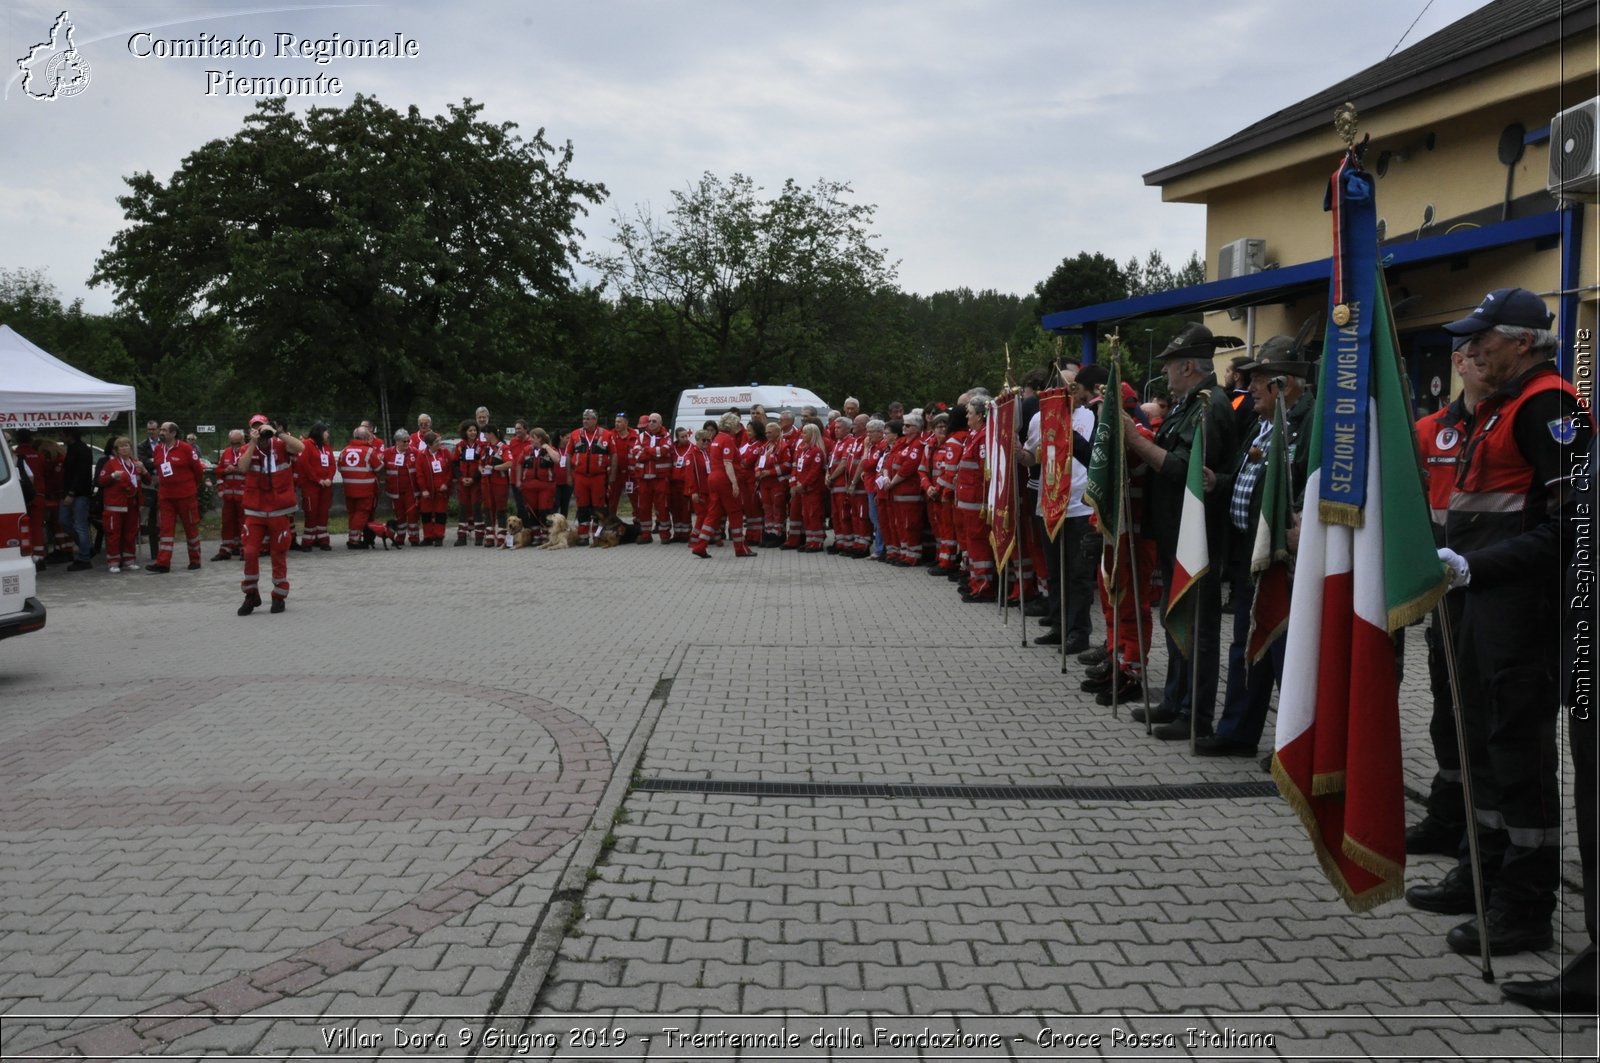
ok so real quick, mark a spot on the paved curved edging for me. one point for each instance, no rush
(578, 786)
(544, 942)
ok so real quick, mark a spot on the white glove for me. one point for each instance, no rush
(1460, 574)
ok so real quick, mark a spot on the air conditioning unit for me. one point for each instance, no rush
(1575, 152)
(1241, 258)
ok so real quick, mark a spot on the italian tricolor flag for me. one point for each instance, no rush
(1193, 558)
(1337, 758)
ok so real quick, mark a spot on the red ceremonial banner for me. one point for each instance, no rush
(1055, 457)
(1002, 489)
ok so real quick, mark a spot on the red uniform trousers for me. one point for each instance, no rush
(720, 505)
(909, 512)
(37, 528)
(404, 505)
(495, 491)
(618, 488)
(650, 507)
(469, 507)
(980, 556)
(862, 518)
(173, 510)
(949, 552)
(809, 507)
(1132, 619)
(1028, 561)
(589, 494)
(359, 506)
(540, 498)
(841, 515)
(774, 504)
(277, 534)
(755, 517)
(680, 506)
(232, 524)
(315, 500)
(121, 524)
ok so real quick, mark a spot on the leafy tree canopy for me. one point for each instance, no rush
(759, 287)
(371, 253)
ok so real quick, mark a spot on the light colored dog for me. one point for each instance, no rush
(518, 534)
(561, 536)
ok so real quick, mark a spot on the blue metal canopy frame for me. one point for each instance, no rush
(1275, 285)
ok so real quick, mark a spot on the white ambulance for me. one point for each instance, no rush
(20, 608)
(698, 405)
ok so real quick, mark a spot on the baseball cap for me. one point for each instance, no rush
(258, 418)
(1504, 306)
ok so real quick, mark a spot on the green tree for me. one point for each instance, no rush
(1083, 280)
(757, 288)
(32, 306)
(360, 255)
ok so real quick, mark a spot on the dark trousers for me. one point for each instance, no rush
(1509, 706)
(1208, 636)
(1584, 736)
(1071, 562)
(1249, 692)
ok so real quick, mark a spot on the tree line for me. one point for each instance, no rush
(367, 259)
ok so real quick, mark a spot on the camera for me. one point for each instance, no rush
(267, 431)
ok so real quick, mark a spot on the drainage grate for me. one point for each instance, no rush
(1206, 791)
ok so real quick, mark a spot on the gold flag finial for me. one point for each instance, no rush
(1345, 122)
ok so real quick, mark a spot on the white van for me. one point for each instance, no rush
(20, 608)
(698, 405)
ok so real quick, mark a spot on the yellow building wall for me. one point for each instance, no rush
(1276, 194)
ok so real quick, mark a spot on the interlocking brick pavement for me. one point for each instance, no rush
(376, 805)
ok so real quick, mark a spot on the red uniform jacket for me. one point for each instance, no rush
(589, 453)
(120, 482)
(399, 474)
(314, 464)
(230, 477)
(808, 468)
(268, 480)
(178, 470)
(359, 463)
(432, 473)
(723, 448)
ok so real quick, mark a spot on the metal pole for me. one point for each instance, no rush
(1447, 639)
(1061, 594)
(1138, 625)
(1022, 583)
(1194, 665)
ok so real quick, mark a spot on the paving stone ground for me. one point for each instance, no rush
(361, 828)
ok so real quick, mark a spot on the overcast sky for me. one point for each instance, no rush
(994, 137)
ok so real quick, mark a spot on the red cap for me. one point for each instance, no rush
(259, 418)
(1130, 397)
(644, 420)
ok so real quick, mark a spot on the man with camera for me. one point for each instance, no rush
(269, 505)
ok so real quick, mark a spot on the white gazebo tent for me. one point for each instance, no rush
(39, 390)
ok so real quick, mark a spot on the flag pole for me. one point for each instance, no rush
(1194, 629)
(1194, 668)
(1447, 639)
(1061, 596)
(1138, 629)
(1016, 511)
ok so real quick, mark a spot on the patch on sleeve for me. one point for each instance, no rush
(1563, 429)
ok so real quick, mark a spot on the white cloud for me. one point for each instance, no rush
(995, 138)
